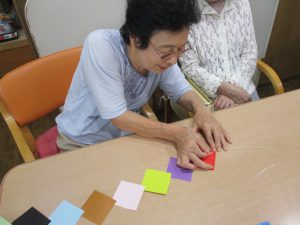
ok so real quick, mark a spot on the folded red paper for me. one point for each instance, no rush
(210, 159)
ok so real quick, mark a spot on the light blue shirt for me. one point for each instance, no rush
(105, 85)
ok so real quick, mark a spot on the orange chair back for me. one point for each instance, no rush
(37, 88)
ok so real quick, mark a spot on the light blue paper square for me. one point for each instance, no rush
(264, 223)
(66, 214)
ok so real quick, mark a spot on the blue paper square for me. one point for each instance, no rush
(264, 223)
(65, 214)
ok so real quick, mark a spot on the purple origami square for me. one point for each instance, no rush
(178, 172)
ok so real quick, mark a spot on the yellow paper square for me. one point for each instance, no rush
(156, 181)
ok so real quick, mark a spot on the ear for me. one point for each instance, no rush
(134, 41)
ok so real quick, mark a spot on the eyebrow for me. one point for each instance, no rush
(167, 46)
(171, 46)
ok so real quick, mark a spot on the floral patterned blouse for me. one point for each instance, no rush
(223, 48)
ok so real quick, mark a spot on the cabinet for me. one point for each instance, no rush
(17, 52)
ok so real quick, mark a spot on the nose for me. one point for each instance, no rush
(173, 59)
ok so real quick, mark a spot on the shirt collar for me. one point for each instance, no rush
(206, 9)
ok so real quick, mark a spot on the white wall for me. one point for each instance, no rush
(61, 24)
(263, 12)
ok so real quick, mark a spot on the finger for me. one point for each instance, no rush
(209, 138)
(228, 104)
(198, 152)
(202, 143)
(184, 162)
(195, 128)
(199, 163)
(217, 138)
(217, 103)
(224, 143)
(226, 136)
(216, 108)
(222, 104)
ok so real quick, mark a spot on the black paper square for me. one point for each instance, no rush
(32, 217)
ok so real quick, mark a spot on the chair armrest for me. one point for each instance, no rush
(148, 112)
(204, 98)
(15, 130)
(272, 75)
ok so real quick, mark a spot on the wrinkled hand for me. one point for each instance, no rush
(236, 93)
(214, 133)
(191, 146)
(223, 102)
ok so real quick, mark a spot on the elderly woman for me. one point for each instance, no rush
(117, 74)
(222, 58)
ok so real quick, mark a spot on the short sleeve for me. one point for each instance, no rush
(173, 83)
(101, 66)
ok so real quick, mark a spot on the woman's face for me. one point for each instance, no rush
(163, 50)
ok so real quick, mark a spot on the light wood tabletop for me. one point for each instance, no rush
(257, 180)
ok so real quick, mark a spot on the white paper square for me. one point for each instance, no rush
(128, 195)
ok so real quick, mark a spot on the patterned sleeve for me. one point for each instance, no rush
(249, 50)
(191, 67)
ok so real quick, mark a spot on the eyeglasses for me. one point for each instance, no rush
(166, 53)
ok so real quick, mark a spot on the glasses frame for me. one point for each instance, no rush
(164, 56)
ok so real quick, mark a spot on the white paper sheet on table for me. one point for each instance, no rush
(128, 195)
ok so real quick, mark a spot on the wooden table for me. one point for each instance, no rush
(257, 180)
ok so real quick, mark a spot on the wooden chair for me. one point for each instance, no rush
(272, 75)
(33, 91)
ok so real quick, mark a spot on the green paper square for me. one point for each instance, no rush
(156, 181)
(4, 221)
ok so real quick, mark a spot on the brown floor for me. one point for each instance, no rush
(10, 157)
(9, 154)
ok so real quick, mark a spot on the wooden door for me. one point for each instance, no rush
(283, 52)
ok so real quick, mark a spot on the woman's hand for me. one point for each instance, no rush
(236, 93)
(223, 102)
(214, 133)
(191, 146)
